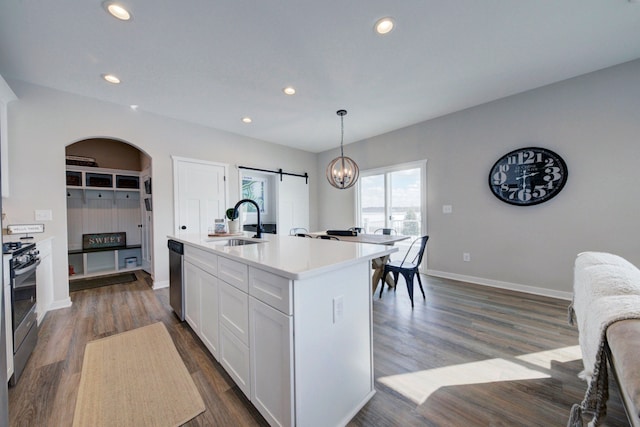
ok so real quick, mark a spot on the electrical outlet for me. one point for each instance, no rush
(447, 209)
(466, 257)
(338, 308)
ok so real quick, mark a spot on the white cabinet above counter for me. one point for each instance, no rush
(292, 323)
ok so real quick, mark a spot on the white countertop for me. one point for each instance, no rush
(289, 256)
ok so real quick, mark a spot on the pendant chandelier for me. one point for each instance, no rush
(342, 172)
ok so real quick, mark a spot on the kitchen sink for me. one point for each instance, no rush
(240, 242)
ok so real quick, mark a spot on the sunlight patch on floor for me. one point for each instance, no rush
(418, 386)
(559, 355)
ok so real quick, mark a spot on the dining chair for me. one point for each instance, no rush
(303, 235)
(297, 230)
(386, 231)
(327, 237)
(408, 269)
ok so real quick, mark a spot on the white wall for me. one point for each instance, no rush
(592, 121)
(43, 121)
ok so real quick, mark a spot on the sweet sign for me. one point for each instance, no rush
(104, 240)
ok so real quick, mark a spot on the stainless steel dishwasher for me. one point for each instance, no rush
(176, 289)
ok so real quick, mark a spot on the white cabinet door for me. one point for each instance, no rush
(293, 203)
(271, 343)
(191, 296)
(44, 279)
(199, 194)
(234, 334)
(234, 358)
(234, 311)
(201, 305)
(209, 329)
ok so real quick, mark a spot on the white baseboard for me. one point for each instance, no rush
(503, 285)
(160, 284)
(63, 303)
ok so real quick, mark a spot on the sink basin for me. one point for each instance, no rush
(240, 242)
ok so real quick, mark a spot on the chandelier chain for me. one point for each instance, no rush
(341, 135)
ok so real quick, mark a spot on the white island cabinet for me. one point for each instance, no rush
(201, 296)
(289, 319)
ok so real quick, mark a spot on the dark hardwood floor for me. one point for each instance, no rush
(468, 356)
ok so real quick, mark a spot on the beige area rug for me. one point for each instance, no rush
(135, 378)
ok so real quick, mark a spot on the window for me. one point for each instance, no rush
(395, 198)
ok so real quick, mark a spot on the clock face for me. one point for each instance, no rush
(528, 176)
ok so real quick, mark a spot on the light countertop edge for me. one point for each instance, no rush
(285, 255)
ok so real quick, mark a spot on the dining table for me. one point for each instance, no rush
(377, 264)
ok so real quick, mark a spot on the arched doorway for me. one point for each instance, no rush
(109, 208)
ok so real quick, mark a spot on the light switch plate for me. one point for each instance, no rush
(338, 308)
(43, 215)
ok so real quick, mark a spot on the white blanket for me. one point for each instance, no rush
(606, 289)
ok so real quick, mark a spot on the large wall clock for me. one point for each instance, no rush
(528, 176)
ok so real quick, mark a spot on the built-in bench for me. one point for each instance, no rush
(103, 253)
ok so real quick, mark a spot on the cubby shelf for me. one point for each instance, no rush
(101, 261)
(101, 200)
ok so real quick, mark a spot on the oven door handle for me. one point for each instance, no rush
(21, 271)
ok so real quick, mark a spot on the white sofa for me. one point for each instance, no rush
(606, 309)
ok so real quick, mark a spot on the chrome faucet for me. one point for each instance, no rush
(259, 226)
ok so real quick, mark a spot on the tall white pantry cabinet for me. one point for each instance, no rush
(103, 200)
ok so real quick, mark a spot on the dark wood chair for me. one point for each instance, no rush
(408, 269)
(297, 230)
(303, 235)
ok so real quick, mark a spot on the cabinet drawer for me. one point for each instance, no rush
(234, 311)
(233, 272)
(271, 289)
(203, 259)
(234, 357)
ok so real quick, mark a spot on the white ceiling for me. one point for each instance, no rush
(213, 62)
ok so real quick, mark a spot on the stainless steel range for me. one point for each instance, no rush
(22, 268)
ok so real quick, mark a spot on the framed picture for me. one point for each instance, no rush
(147, 204)
(255, 188)
(147, 186)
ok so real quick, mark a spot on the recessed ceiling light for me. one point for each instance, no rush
(289, 90)
(134, 107)
(246, 120)
(384, 25)
(117, 11)
(111, 78)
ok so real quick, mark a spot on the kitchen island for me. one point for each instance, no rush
(290, 320)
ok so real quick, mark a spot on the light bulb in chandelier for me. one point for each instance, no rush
(342, 172)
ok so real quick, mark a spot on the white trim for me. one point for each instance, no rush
(160, 284)
(6, 96)
(56, 305)
(503, 285)
(394, 168)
